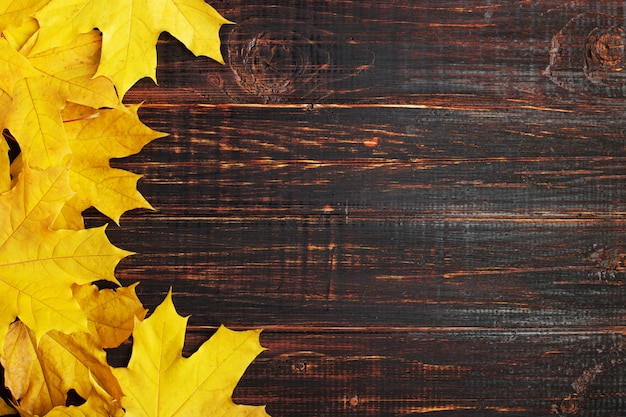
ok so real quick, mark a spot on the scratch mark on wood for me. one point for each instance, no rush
(508, 271)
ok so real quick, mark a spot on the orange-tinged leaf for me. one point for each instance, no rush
(6, 409)
(110, 313)
(159, 382)
(38, 266)
(23, 374)
(94, 139)
(130, 30)
(98, 404)
(39, 373)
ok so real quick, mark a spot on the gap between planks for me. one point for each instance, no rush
(518, 331)
(321, 106)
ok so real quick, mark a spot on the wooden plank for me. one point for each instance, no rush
(439, 372)
(362, 273)
(527, 163)
(321, 221)
(396, 52)
(443, 371)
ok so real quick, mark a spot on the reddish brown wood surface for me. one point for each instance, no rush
(422, 202)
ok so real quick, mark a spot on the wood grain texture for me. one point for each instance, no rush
(422, 203)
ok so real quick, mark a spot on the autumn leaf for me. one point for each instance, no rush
(6, 409)
(35, 121)
(130, 30)
(38, 266)
(70, 71)
(40, 373)
(5, 102)
(98, 404)
(40, 85)
(61, 84)
(5, 167)
(14, 13)
(21, 37)
(110, 313)
(94, 138)
(159, 382)
(13, 67)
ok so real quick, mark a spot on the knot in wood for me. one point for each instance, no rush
(281, 60)
(569, 405)
(274, 65)
(588, 56)
(604, 50)
(299, 367)
(353, 400)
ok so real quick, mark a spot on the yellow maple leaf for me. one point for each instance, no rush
(40, 373)
(40, 84)
(94, 138)
(5, 166)
(130, 31)
(13, 67)
(110, 313)
(21, 37)
(5, 103)
(34, 119)
(14, 13)
(159, 382)
(38, 266)
(70, 71)
(95, 406)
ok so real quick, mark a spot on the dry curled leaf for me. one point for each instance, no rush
(40, 373)
(6, 409)
(98, 404)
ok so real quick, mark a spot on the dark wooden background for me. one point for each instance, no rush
(422, 202)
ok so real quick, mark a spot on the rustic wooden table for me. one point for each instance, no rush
(421, 201)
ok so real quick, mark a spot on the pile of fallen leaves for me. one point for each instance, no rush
(61, 88)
